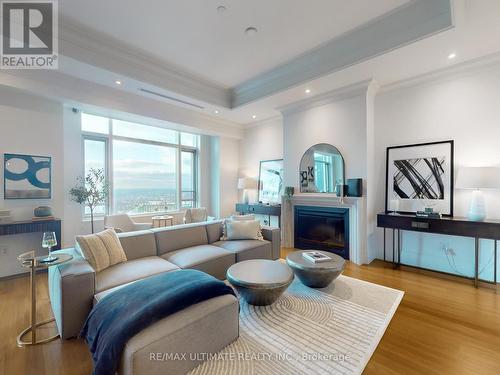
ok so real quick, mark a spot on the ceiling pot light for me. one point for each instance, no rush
(251, 31)
(254, 116)
(308, 91)
(118, 82)
(216, 112)
(451, 56)
(221, 9)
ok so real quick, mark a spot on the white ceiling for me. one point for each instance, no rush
(476, 33)
(193, 36)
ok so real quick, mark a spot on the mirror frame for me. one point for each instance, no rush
(302, 158)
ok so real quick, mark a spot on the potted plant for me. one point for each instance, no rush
(91, 190)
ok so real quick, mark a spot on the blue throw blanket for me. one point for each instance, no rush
(124, 313)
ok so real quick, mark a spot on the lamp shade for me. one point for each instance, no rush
(245, 183)
(478, 178)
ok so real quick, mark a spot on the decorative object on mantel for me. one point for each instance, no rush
(91, 190)
(477, 179)
(245, 183)
(321, 169)
(42, 211)
(341, 190)
(289, 192)
(271, 181)
(420, 175)
(27, 177)
(354, 187)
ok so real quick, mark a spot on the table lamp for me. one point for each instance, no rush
(245, 183)
(477, 179)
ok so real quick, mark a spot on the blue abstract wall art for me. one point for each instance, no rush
(27, 177)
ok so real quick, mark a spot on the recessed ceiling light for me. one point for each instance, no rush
(118, 82)
(452, 55)
(221, 9)
(251, 31)
(254, 116)
(308, 91)
(216, 112)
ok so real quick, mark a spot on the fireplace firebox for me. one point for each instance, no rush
(322, 228)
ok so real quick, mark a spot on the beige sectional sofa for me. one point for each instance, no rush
(75, 286)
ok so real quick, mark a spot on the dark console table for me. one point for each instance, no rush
(448, 226)
(33, 226)
(260, 209)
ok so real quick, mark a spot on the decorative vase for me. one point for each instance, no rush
(43, 211)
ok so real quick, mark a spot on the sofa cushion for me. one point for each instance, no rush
(214, 230)
(138, 244)
(179, 237)
(131, 270)
(102, 249)
(213, 260)
(247, 249)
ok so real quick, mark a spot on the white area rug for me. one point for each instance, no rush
(334, 330)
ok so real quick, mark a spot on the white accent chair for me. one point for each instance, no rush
(122, 223)
(196, 215)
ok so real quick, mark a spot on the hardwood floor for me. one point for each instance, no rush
(441, 327)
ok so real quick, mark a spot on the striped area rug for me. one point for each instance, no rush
(334, 330)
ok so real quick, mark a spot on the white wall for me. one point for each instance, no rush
(262, 141)
(341, 123)
(33, 126)
(463, 107)
(224, 159)
(228, 175)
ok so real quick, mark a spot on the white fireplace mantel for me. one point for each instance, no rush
(356, 206)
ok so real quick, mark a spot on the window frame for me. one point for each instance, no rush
(108, 141)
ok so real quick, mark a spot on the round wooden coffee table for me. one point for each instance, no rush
(260, 281)
(316, 275)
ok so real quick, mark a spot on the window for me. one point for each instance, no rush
(149, 169)
(95, 154)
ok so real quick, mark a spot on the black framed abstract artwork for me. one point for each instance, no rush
(420, 176)
(27, 177)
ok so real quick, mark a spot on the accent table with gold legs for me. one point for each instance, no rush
(28, 260)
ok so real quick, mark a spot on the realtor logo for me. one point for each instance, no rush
(29, 35)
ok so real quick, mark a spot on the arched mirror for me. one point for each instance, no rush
(321, 169)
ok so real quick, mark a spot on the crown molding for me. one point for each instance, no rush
(76, 92)
(411, 22)
(346, 92)
(462, 69)
(91, 47)
(262, 123)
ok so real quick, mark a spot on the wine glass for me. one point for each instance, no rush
(49, 241)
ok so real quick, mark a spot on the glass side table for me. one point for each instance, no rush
(29, 260)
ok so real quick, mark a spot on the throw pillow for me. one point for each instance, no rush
(234, 218)
(101, 250)
(243, 230)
